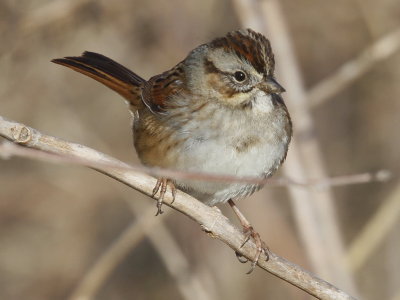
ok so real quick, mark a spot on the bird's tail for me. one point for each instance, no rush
(108, 72)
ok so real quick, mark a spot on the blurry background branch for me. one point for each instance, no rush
(346, 74)
(315, 211)
(50, 13)
(189, 283)
(210, 219)
(376, 230)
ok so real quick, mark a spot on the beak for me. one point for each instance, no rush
(272, 86)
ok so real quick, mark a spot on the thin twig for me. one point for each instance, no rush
(211, 220)
(8, 149)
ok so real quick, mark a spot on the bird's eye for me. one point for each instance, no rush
(239, 76)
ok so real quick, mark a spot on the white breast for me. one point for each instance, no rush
(219, 147)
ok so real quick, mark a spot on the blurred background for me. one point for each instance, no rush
(340, 64)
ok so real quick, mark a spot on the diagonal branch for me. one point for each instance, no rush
(381, 49)
(210, 219)
(375, 231)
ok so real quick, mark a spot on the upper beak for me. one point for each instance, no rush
(272, 86)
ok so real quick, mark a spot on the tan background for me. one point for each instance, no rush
(57, 220)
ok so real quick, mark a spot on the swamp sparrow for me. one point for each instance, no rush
(218, 111)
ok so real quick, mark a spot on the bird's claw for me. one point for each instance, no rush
(161, 186)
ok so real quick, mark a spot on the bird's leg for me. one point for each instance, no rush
(161, 186)
(249, 233)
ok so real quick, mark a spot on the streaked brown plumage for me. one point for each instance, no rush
(218, 111)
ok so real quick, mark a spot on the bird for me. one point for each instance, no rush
(218, 111)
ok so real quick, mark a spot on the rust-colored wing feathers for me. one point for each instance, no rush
(108, 72)
(158, 90)
(155, 93)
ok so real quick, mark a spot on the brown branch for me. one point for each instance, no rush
(8, 149)
(210, 219)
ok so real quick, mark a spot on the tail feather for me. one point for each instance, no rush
(108, 72)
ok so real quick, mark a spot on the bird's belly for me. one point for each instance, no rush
(257, 159)
(228, 143)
